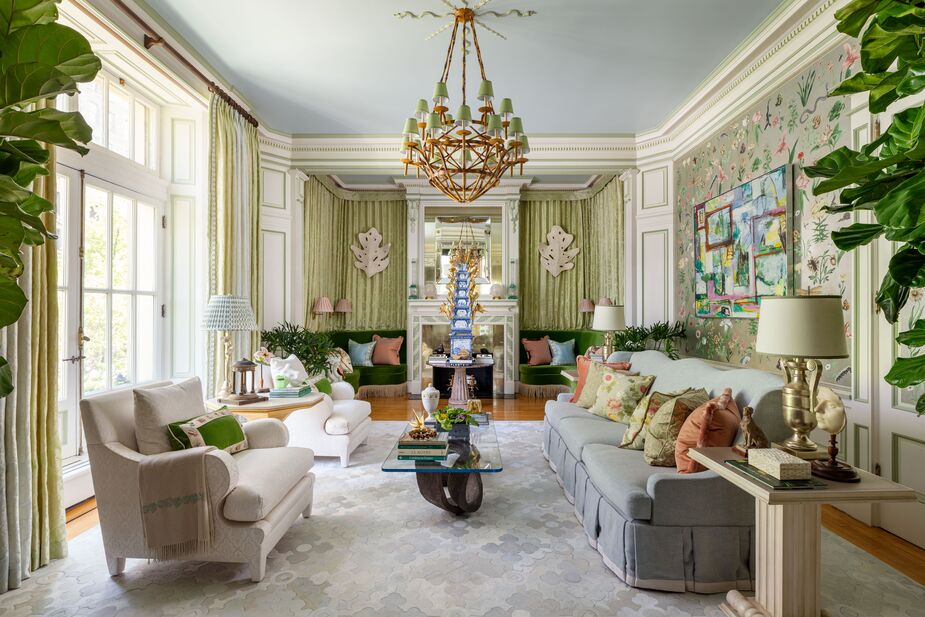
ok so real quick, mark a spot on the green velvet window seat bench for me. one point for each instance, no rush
(546, 380)
(380, 379)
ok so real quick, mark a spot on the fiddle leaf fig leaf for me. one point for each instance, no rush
(51, 45)
(891, 298)
(907, 267)
(852, 17)
(15, 14)
(907, 372)
(60, 128)
(12, 301)
(858, 234)
(914, 337)
(6, 377)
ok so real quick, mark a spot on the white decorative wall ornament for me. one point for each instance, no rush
(371, 257)
(556, 256)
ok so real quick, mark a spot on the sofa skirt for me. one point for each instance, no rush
(701, 559)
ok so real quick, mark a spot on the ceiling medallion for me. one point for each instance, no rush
(465, 156)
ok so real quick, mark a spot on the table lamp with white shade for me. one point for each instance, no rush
(802, 330)
(608, 319)
(227, 314)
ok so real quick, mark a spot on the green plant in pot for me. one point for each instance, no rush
(887, 177)
(39, 60)
(662, 336)
(455, 420)
(313, 349)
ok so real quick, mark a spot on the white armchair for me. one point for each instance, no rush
(336, 426)
(255, 494)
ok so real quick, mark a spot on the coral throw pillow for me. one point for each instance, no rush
(538, 352)
(713, 424)
(584, 364)
(661, 436)
(386, 350)
(619, 394)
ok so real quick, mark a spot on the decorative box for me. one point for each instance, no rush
(779, 464)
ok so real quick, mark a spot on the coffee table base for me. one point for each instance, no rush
(459, 493)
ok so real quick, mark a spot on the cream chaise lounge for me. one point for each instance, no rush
(255, 494)
(336, 426)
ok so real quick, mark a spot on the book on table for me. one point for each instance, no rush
(416, 457)
(291, 392)
(770, 481)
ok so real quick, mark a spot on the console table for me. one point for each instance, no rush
(278, 408)
(788, 535)
(460, 391)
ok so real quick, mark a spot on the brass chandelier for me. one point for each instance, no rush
(464, 157)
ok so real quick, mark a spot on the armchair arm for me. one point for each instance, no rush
(342, 391)
(266, 433)
(690, 499)
(306, 426)
(564, 397)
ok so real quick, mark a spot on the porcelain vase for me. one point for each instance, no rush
(430, 398)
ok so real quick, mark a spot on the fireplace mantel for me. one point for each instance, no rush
(497, 312)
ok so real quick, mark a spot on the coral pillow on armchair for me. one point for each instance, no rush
(713, 424)
(583, 365)
(386, 350)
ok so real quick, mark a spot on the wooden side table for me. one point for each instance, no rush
(789, 538)
(277, 408)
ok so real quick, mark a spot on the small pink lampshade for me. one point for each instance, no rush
(323, 305)
(343, 306)
(605, 302)
(586, 305)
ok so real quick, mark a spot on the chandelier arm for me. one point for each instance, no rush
(465, 26)
(449, 4)
(478, 51)
(490, 29)
(480, 4)
(440, 30)
(448, 62)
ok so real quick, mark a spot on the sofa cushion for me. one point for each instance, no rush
(712, 424)
(563, 353)
(662, 435)
(556, 411)
(618, 394)
(576, 433)
(347, 415)
(584, 364)
(537, 351)
(265, 476)
(361, 354)
(382, 375)
(155, 408)
(620, 476)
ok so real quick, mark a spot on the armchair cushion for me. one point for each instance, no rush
(155, 408)
(342, 391)
(347, 415)
(217, 428)
(266, 433)
(265, 476)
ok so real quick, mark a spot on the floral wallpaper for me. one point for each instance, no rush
(796, 124)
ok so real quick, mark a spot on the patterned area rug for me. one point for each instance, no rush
(375, 547)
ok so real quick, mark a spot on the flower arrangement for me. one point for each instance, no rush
(448, 416)
(262, 358)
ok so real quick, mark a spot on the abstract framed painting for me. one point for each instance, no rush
(741, 247)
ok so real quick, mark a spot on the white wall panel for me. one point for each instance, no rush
(273, 186)
(183, 161)
(655, 188)
(655, 272)
(275, 276)
(183, 288)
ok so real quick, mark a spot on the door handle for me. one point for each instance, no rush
(74, 359)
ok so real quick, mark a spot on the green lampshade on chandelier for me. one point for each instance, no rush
(464, 156)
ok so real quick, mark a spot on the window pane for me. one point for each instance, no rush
(144, 337)
(63, 348)
(121, 242)
(121, 341)
(61, 212)
(95, 328)
(90, 104)
(147, 234)
(120, 122)
(96, 233)
(141, 133)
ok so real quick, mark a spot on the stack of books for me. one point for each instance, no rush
(423, 449)
(292, 392)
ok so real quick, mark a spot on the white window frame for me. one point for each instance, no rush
(152, 128)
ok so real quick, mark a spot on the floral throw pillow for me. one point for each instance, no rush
(619, 394)
(665, 426)
(635, 435)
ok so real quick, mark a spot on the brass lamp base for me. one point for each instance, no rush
(608, 345)
(799, 396)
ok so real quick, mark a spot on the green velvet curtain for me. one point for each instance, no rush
(234, 223)
(333, 218)
(595, 218)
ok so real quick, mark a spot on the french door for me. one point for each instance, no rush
(109, 293)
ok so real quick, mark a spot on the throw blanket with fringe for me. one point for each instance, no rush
(175, 510)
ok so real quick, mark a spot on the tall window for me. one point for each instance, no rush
(122, 120)
(120, 302)
(68, 422)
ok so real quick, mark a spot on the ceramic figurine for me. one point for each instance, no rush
(752, 435)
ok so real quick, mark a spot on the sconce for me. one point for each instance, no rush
(322, 306)
(343, 306)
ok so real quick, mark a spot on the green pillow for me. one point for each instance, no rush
(323, 386)
(218, 428)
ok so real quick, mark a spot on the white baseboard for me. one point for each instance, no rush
(78, 485)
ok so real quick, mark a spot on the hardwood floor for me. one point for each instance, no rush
(892, 550)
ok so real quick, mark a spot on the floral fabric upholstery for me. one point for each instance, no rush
(619, 394)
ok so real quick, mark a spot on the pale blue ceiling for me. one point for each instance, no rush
(578, 66)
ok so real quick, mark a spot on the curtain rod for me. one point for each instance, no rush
(153, 39)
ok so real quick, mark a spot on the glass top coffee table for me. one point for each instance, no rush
(456, 483)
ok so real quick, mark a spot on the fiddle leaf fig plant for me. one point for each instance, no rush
(39, 60)
(887, 176)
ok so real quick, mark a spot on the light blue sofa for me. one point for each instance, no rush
(656, 528)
